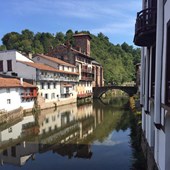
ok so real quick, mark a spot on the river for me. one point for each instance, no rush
(93, 136)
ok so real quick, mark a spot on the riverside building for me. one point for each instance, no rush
(55, 86)
(152, 33)
(90, 72)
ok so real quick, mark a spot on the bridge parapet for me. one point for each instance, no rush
(98, 91)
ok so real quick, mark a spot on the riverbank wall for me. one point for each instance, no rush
(145, 154)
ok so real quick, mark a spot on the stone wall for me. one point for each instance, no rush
(148, 153)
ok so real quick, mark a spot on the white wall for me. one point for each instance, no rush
(15, 99)
(13, 96)
(44, 91)
(17, 67)
(39, 59)
(21, 57)
(25, 71)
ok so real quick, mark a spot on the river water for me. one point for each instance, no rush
(93, 136)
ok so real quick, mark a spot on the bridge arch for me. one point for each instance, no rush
(98, 91)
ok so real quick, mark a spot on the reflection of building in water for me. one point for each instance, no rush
(76, 150)
(98, 115)
(17, 133)
(65, 124)
(14, 131)
(18, 154)
(64, 131)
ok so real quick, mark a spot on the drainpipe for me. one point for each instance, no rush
(147, 67)
(142, 77)
(158, 68)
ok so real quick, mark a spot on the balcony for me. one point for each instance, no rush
(145, 27)
(29, 95)
(87, 78)
(87, 70)
(85, 95)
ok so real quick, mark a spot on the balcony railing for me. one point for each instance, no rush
(84, 95)
(145, 27)
(28, 95)
(87, 78)
(87, 70)
(58, 78)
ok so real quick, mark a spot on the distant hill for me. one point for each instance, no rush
(118, 61)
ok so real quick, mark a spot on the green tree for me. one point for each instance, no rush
(10, 40)
(27, 35)
(69, 37)
(2, 47)
(59, 38)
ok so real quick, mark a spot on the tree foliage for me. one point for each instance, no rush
(118, 61)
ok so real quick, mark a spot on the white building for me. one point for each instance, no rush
(54, 85)
(67, 75)
(152, 33)
(15, 93)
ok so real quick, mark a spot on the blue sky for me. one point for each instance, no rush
(114, 18)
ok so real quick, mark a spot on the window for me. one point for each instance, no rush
(5, 152)
(48, 85)
(53, 118)
(10, 129)
(54, 85)
(46, 96)
(42, 85)
(9, 65)
(13, 151)
(8, 90)
(47, 120)
(8, 101)
(52, 95)
(1, 65)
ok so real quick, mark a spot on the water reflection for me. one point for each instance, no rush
(96, 132)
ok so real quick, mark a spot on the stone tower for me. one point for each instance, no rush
(82, 43)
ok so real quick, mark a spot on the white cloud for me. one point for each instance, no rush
(122, 27)
(109, 141)
(76, 8)
(106, 16)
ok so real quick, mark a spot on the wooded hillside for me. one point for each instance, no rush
(118, 60)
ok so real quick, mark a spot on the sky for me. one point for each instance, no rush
(114, 18)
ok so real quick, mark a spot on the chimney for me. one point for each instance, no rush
(30, 55)
(83, 41)
(21, 81)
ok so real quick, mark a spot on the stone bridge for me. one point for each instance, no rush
(98, 91)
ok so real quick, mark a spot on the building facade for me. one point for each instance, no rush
(15, 93)
(152, 33)
(56, 83)
(79, 55)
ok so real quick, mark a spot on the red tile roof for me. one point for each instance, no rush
(46, 68)
(13, 82)
(56, 60)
